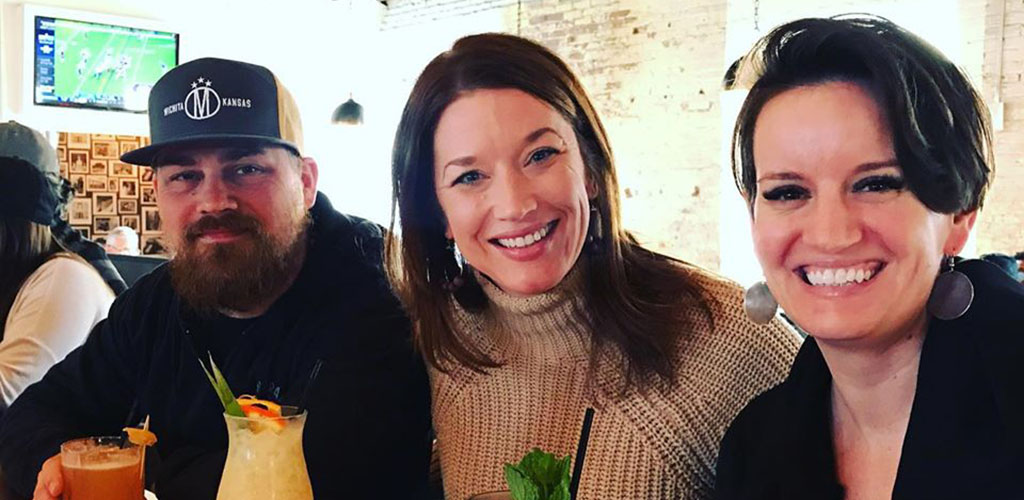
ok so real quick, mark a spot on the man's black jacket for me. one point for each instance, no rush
(367, 433)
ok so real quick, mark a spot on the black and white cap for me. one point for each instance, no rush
(211, 100)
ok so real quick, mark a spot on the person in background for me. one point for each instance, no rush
(865, 155)
(1004, 262)
(269, 281)
(122, 240)
(50, 298)
(531, 301)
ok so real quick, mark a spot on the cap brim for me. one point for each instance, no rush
(145, 155)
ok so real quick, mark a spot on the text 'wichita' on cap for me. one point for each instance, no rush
(210, 100)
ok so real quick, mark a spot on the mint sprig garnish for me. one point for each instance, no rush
(539, 476)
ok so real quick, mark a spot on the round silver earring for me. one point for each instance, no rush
(952, 293)
(759, 303)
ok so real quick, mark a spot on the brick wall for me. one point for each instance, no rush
(1001, 224)
(653, 67)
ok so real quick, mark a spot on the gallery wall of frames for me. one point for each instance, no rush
(108, 192)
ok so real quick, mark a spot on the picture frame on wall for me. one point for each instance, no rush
(62, 154)
(153, 245)
(103, 137)
(128, 188)
(96, 183)
(98, 167)
(151, 221)
(126, 146)
(112, 186)
(146, 174)
(129, 206)
(106, 150)
(78, 184)
(103, 204)
(78, 161)
(102, 224)
(62, 138)
(78, 141)
(126, 137)
(144, 141)
(80, 211)
(86, 232)
(131, 221)
(122, 169)
(148, 194)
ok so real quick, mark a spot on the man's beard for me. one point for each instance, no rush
(239, 275)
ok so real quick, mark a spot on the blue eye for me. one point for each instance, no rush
(879, 184)
(468, 178)
(789, 192)
(542, 154)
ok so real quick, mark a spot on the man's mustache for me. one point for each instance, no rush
(231, 221)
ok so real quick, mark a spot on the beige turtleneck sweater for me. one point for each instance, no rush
(658, 445)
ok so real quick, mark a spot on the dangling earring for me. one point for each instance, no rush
(595, 231)
(952, 293)
(453, 273)
(759, 303)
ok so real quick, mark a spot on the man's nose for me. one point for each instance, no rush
(215, 196)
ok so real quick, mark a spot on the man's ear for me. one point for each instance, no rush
(309, 173)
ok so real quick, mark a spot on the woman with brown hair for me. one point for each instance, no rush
(532, 303)
(50, 298)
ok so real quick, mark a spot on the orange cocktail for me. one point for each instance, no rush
(101, 469)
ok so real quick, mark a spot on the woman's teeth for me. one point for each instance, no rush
(838, 277)
(525, 241)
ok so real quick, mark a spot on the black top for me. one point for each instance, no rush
(965, 438)
(367, 433)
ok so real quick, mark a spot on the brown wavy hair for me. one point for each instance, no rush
(24, 246)
(635, 299)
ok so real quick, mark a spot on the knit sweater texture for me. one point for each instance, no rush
(661, 443)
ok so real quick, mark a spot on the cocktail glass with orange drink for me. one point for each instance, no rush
(101, 468)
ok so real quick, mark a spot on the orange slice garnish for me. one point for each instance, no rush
(140, 437)
(271, 408)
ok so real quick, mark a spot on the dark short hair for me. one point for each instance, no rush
(640, 316)
(939, 124)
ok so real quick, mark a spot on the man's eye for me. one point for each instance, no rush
(248, 169)
(468, 178)
(786, 193)
(184, 177)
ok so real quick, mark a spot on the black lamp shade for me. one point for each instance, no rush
(349, 112)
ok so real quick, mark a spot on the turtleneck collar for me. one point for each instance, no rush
(549, 326)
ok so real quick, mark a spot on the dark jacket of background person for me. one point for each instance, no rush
(367, 431)
(965, 438)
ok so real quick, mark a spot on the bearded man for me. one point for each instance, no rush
(269, 281)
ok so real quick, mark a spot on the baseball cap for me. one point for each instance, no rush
(211, 100)
(29, 175)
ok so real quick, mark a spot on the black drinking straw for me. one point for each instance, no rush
(581, 452)
(309, 385)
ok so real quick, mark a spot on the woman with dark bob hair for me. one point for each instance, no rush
(865, 155)
(530, 301)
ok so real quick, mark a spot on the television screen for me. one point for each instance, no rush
(92, 65)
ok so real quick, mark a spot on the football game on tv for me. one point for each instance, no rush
(101, 66)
